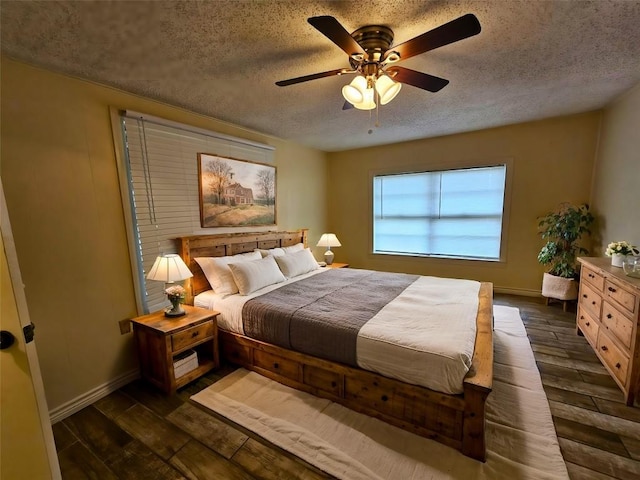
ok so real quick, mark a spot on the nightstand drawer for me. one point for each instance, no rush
(190, 336)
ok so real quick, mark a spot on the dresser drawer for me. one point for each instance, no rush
(277, 364)
(617, 323)
(590, 300)
(626, 299)
(593, 277)
(191, 336)
(613, 357)
(588, 326)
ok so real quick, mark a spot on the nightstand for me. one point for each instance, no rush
(161, 341)
(338, 265)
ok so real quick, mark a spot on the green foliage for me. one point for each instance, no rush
(563, 229)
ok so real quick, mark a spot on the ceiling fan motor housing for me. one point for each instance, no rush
(375, 40)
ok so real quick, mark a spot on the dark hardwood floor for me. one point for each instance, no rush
(138, 433)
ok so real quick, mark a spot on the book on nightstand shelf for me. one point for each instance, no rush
(184, 363)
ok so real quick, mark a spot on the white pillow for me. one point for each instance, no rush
(254, 275)
(274, 252)
(280, 251)
(216, 269)
(294, 248)
(297, 263)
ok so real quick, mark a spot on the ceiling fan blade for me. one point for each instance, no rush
(306, 78)
(453, 31)
(347, 106)
(418, 79)
(331, 28)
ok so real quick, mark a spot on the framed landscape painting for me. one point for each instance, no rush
(235, 193)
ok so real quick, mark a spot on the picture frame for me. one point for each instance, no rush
(235, 193)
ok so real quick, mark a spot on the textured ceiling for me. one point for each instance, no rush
(533, 59)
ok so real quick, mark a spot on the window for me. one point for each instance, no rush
(450, 213)
(159, 182)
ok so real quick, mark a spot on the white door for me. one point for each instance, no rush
(27, 448)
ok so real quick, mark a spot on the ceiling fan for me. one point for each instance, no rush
(373, 59)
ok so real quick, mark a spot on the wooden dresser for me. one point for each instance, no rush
(608, 316)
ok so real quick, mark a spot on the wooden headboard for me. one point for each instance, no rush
(223, 244)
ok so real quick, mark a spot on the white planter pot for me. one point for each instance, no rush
(617, 259)
(559, 288)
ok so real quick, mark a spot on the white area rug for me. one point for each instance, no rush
(521, 439)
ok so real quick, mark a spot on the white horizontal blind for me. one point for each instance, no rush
(452, 213)
(162, 167)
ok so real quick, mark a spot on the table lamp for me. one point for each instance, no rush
(328, 240)
(171, 268)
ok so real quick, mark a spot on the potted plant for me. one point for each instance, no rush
(563, 229)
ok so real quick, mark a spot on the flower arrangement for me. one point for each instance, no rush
(175, 292)
(621, 248)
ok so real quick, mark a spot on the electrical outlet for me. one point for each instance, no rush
(125, 326)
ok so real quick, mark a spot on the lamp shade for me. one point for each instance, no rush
(387, 89)
(329, 240)
(354, 92)
(169, 268)
(368, 102)
(358, 94)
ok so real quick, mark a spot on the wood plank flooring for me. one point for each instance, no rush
(138, 433)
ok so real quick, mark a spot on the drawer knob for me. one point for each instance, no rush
(334, 384)
(275, 365)
(384, 398)
(618, 365)
(195, 334)
(587, 324)
(609, 315)
(591, 275)
(584, 295)
(593, 303)
(611, 289)
(604, 348)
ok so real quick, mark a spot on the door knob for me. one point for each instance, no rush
(6, 339)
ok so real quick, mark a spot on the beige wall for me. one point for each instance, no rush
(59, 172)
(616, 181)
(552, 162)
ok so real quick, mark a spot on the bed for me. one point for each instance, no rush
(454, 419)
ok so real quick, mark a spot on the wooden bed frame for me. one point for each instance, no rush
(454, 420)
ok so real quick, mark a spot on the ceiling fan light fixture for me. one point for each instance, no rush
(368, 103)
(387, 89)
(354, 93)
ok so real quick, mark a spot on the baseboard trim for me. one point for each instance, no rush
(72, 406)
(525, 292)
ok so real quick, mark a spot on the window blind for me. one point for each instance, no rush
(162, 174)
(452, 213)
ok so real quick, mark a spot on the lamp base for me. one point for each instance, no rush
(176, 310)
(328, 257)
